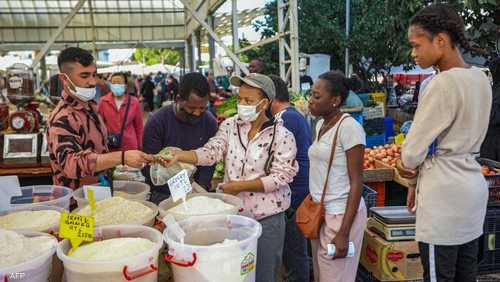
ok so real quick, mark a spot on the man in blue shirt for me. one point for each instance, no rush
(186, 124)
(295, 251)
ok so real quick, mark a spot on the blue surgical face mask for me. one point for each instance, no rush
(118, 89)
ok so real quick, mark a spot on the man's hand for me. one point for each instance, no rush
(410, 199)
(137, 159)
(341, 243)
(405, 172)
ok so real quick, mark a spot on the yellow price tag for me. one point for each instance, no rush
(90, 195)
(76, 228)
(399, 139)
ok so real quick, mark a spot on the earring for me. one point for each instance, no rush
(334, 105)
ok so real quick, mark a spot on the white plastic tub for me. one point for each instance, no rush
(198, 260)
(35, 270)
(130, 190)
(143, 267)
(165, 206)
(146, 220)
(49, 195)
(53, 230)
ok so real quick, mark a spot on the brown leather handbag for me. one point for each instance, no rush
(310, 215)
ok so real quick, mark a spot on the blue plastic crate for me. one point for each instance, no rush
(370, 197)
(489, 243)
(358, 116)
(375, 140)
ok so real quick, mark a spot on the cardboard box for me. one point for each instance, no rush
(391, 261)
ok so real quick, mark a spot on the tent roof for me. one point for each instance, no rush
(117, 21)
(27, 24)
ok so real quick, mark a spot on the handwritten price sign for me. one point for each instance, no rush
(76, 228)
(179, 185)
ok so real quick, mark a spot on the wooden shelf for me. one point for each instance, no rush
(31, 171)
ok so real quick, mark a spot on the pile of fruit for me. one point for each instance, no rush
(388, 154)
(488, 171)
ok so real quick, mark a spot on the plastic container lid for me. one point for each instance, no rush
(394, 215)
(37, 195)
(131, 190)
(168, 204)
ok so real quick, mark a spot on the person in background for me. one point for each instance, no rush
(164, 90)
(173, 87)
(452, 193)
(158, 78)
(416, 92)
(213, 90)
(147, 91)
(346, 215)
(56, 86)
(491, 145)
(186, 124)
(102, 88)
(257, 66)
(259, 155)
(138, 85)
(353, 100)
(295, 253)
(76, 134)
(131, 89)
(113, 109)
(212, 82)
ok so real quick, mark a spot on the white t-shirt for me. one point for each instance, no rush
(118, 103)
(350, 134)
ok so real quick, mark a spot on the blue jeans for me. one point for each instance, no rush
(295, 258)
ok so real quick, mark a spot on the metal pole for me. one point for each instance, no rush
(281, 28)
(294, 45)
(94, 35)
(187, 62)
(193, 52)
(347, 25)
(211, 43)
(234, 31)
(58, 32)
(217, 39)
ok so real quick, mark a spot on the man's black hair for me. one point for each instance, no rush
(193, 83)
(74, 55)
(282, 93)
(438, 18)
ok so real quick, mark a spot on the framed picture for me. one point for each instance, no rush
(20, 146)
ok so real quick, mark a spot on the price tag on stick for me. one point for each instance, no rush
(76, 228)
(179, 185)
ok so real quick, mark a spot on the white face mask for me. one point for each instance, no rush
(84, 94)
(248, 113)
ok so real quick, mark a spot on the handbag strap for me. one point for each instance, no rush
(125, 121)
(332, 156)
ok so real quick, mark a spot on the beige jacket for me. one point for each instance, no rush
(452, 193)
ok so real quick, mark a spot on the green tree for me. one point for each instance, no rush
(153, 56)
(378, 33)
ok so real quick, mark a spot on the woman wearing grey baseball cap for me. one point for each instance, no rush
(259, 155)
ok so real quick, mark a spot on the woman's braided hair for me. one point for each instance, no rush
(439, 18)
